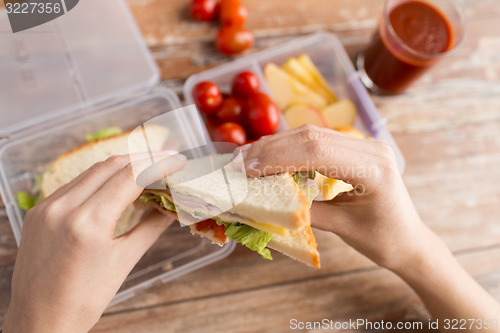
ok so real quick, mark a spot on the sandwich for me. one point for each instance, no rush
(210, 196)
(270, 212)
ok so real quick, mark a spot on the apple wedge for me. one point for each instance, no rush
(287, 90)
(340, 114)
(299, 114)
(295, 69)
(306, 62)
(329, 188)
(349, 130)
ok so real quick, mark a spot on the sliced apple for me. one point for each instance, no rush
(349, 130)
(329, 188)
(295, 69)
(287, 90)
(340, 114)
(299, 114)
(308, 64)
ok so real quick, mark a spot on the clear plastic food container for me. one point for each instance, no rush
(83, 72)
(330, 58)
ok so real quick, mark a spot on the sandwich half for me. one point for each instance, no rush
(260, 213)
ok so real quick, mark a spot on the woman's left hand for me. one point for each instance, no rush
(70, 264)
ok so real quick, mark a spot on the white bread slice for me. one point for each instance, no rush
(275, 200)
(71, 164)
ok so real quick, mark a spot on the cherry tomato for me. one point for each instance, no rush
(245, 84)
(230, 132)
(219, 230)
(207, 97)
(233, 40)
(232, 12)
(217, 11)
(230, 111)
(203, 10)
(262, 114)
(204, 225)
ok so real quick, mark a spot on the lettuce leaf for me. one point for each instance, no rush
(308, 188)
(163, 201)
(103, 134)
(301, 177)
(25, 200)
(255, 240)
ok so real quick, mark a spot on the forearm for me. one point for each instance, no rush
(448, 291)
(23, 320)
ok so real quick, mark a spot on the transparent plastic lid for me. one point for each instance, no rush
(92, 54)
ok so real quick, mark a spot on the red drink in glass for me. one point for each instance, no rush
(413, 36)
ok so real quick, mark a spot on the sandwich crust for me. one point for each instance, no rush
(302, 216)
(72, 163)
(300, 245)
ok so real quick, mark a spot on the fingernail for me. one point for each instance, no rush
(245, 147)
(158, 155)
(170, 152)
(180, 157)
(236, 152)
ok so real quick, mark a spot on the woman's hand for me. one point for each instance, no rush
(70, 264)
(377, 218)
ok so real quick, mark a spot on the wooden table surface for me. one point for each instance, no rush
(447, 126)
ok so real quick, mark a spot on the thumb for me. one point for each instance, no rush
(146, 233)
(322, 213)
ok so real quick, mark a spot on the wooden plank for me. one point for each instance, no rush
(183, 47)
(5, 278)
(244, 269)
(372, 294)
(8, 247)
(452, 176)
(168, 22)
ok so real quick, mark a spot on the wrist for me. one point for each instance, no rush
(429, 259)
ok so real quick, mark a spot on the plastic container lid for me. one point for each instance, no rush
(62, 67)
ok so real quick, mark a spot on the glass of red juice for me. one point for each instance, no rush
(412, 36)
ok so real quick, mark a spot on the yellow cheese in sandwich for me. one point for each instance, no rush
(273, 229)
(330, 188)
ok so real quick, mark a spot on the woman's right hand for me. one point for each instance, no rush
(378, 218)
